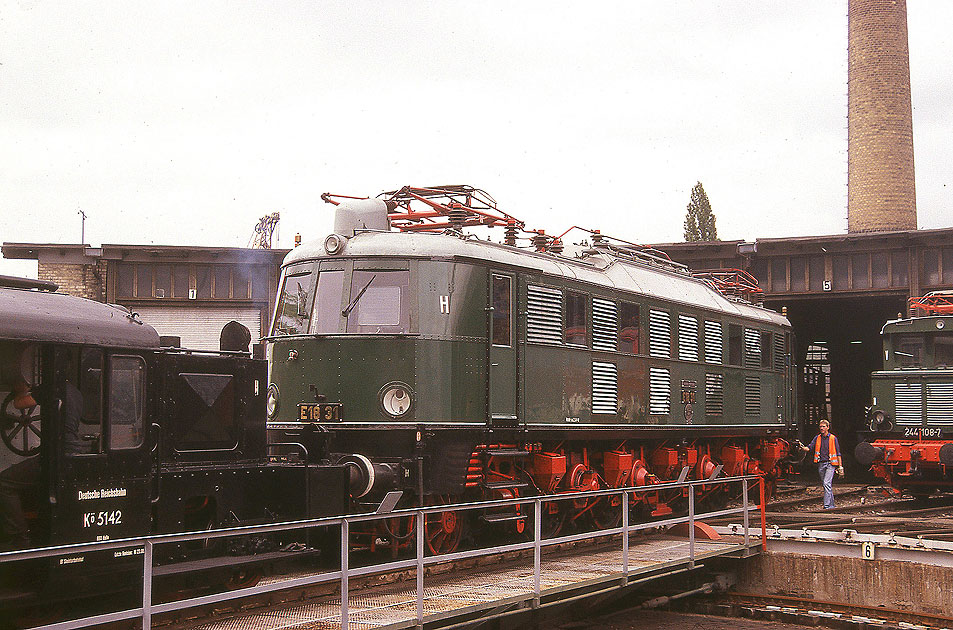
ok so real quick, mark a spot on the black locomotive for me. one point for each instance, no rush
(109, 435)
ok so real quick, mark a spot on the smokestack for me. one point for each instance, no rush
(881, 194)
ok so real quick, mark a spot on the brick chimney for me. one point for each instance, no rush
(881, 194)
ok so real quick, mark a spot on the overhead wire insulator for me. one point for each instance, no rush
(556, 246)
(457, 217)
(540, 241)
(598, 240)
(510, 232)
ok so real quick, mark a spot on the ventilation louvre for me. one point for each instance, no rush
(605, 325)
(909, 400)
(605, 388)
(660, 392)
(687, 338)
(544, 315)
(660, 334)
(715, 394)
(752, 396)
(714, 343)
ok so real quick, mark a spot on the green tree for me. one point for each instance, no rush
(699, 219)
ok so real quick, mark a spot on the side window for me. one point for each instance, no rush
(327, 302)
(734, 344)
(293, 312)
(127, 381)
(502, 300)
(81, 408)
(575, 331)
(766, 347)
(630, 330)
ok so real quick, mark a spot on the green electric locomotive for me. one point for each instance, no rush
(910, 417)
(455, 368)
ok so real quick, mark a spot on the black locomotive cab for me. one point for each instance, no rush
(107, 435)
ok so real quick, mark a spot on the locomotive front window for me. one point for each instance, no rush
(379, 302)
(943, 350)
(910, 351)
(127, 380)
(294, 302)
(327, 302)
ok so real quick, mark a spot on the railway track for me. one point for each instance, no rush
(813, 613)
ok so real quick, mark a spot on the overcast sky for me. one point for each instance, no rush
(184, 122)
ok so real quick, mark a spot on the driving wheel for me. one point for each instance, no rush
(20, 429)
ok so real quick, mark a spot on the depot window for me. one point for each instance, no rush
(379, 302)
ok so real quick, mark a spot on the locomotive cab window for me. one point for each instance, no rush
(127, 383)
(327, 302)
(379, 302)
(78, 386)
(575, 332)
(943, 350)
(293, 312)
(502, 299)
(910, 350)
(766, 347)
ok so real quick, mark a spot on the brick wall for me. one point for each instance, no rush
(881, 194)
(86, 281)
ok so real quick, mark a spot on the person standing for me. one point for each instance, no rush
(827, 456)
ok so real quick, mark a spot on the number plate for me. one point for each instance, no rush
(320, 412)
(923, 432)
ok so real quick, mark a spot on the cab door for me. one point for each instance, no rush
(102, 473)
(503, 369)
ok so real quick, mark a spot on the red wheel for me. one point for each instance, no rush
(443, 531)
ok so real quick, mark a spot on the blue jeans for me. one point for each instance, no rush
(825, 470)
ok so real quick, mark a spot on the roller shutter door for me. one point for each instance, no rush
(199, 327)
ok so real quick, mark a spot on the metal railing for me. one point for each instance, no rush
(345, 572)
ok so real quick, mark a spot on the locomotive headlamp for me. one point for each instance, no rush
(877, 419)
(396, 399)
(334, 244)
(271, 402)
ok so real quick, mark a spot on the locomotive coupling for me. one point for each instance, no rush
(365, 476)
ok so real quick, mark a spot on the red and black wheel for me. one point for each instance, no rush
(444, 531)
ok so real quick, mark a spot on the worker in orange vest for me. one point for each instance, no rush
(827, 456)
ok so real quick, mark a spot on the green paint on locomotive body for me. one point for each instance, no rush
(916, 385)
(440, 348)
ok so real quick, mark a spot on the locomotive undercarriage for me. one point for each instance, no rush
(509, 464)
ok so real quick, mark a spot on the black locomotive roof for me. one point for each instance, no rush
(42, 316)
